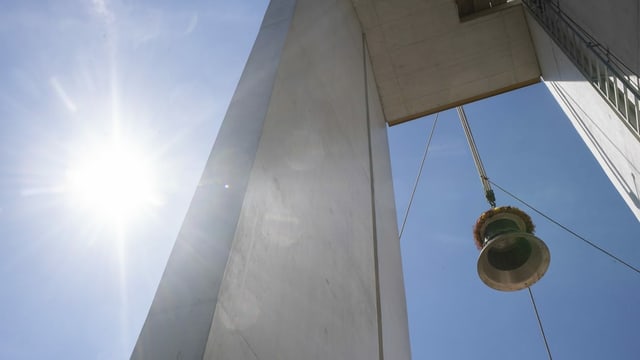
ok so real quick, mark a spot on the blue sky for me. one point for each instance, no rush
(156, 77)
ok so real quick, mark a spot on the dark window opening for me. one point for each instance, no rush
(470, 7)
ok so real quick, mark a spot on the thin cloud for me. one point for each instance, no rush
(193, 23)
(62, 94)
(102, 9)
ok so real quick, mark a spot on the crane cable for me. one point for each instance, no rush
(491, 198)
(488, 192)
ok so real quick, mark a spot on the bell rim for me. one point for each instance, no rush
(535, 276)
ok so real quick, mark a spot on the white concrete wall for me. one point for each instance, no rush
(615, 24)
(178, 323)
(314, 268)
(301, 281)
(610, 140)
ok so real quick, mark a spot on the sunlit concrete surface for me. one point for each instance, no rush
(426, 59)
(610, 140)
(178, 323)
(313, 270)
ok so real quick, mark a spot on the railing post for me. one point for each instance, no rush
(637, 122)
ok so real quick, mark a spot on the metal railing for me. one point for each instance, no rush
(617, 84)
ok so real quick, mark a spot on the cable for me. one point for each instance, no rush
(491, 198)
(567, 229)
(535, 309)
(415, 184)
(488, 192)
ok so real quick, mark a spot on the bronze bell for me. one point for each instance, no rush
(511, 257)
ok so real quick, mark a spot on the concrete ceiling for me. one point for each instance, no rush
(426, 58)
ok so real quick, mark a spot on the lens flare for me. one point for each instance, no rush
(114, 182)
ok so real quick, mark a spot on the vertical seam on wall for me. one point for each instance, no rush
(374, 224)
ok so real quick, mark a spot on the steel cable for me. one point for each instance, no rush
(415, 184)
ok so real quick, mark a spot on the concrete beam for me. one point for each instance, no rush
(426, 59)
(290, 248)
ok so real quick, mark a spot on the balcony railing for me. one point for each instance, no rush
(617, 84)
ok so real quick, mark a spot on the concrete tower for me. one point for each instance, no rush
(290, 248)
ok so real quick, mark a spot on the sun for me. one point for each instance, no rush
(113, 182)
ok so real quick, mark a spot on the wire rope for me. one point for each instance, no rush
(535, 309)
(490, 196)
(488, 192)
(567, 229)
(415, 184)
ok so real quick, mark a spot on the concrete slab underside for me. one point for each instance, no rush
(425, 59)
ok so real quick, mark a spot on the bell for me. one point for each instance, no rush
(511, 257)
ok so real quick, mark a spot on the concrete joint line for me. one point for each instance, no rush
(373, 200)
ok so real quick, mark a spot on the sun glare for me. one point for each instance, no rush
(113, 182)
